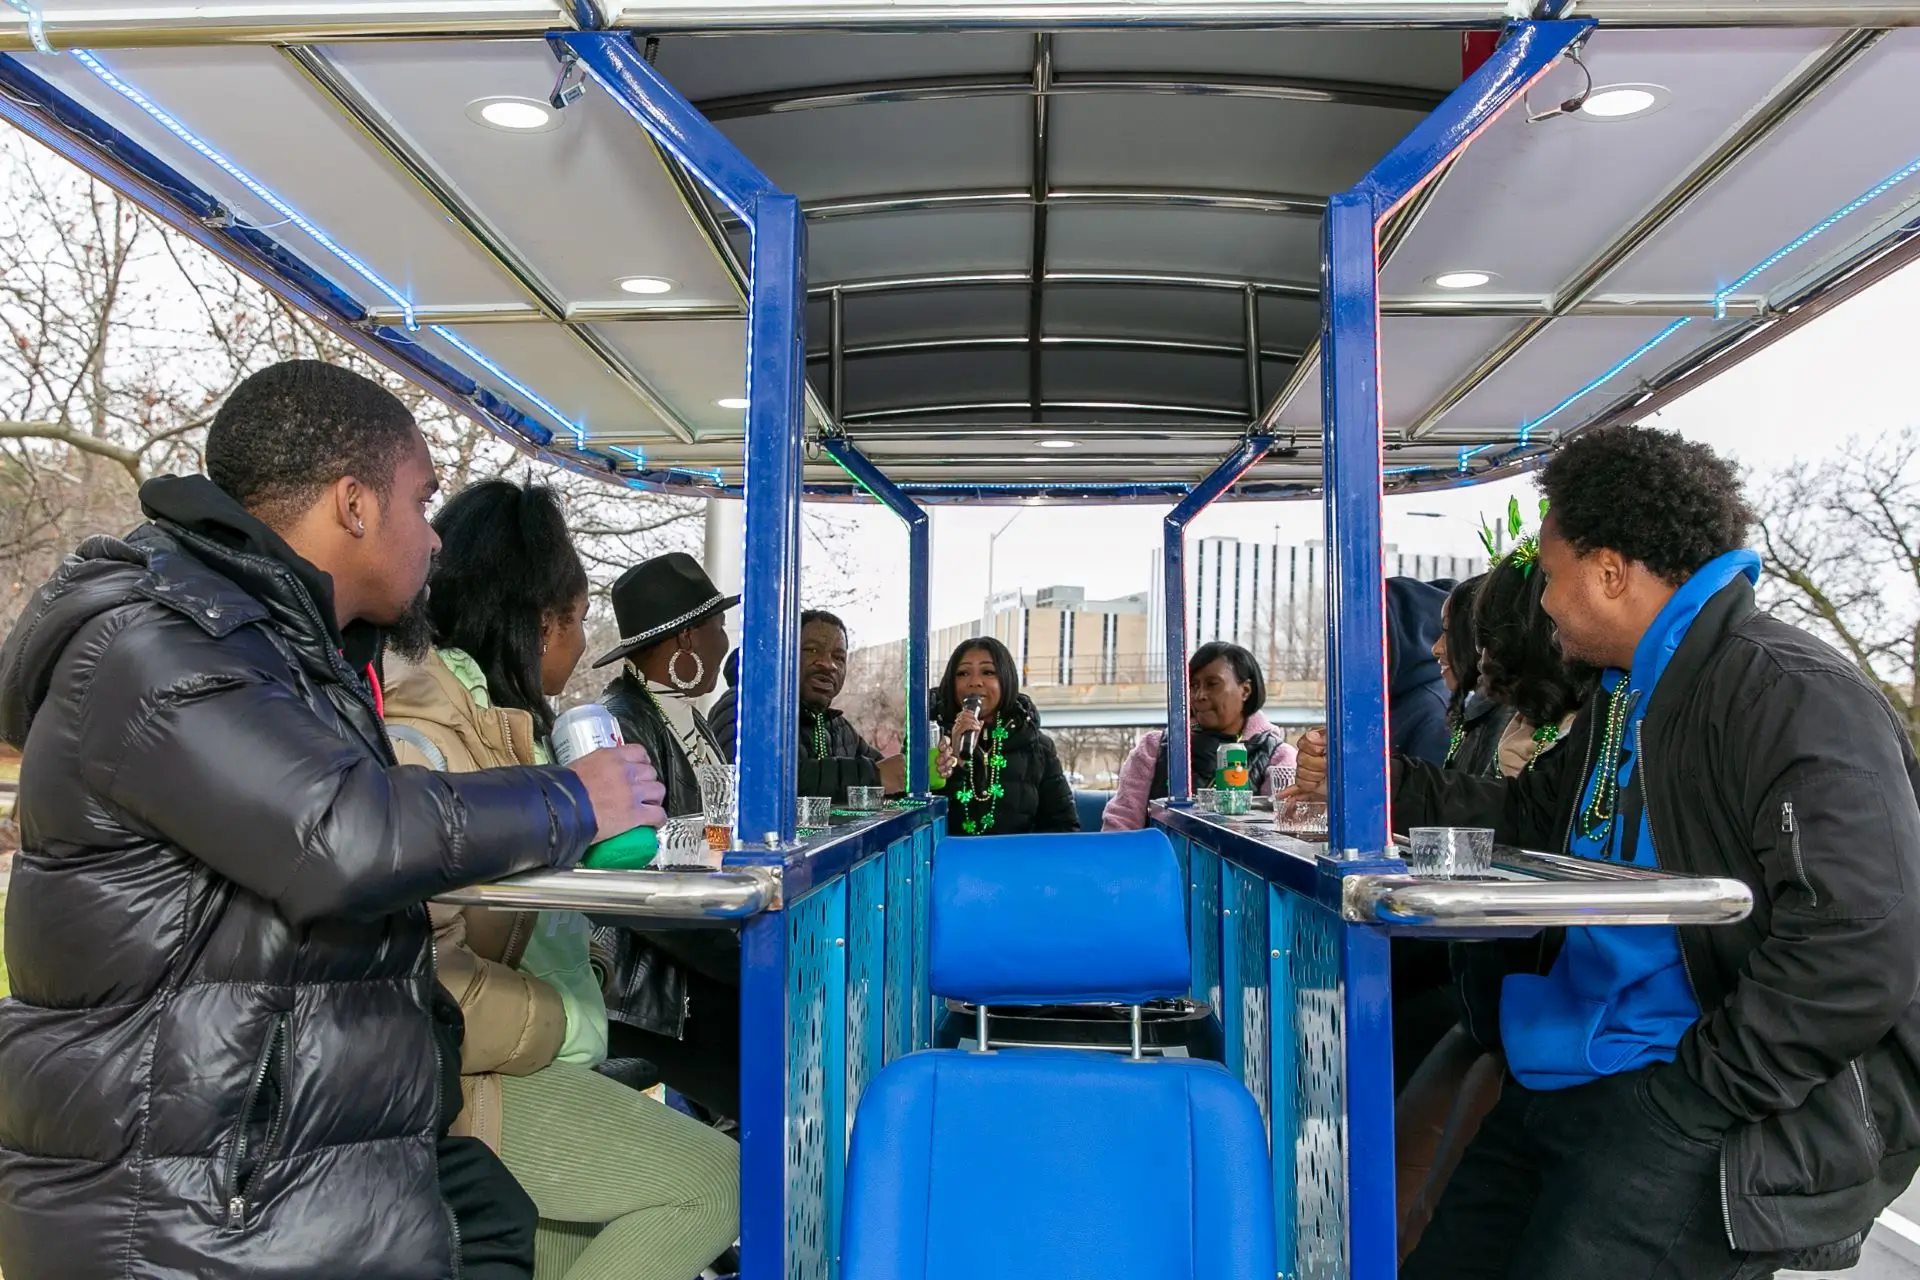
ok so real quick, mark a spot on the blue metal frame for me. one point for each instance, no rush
(919, 600)
(1356, 628)
(1174, 583)
(776, 422)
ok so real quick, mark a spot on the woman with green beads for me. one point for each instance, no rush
(1001, 775)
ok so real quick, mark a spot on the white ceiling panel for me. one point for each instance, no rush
(1851, 138)
(1421, 356)
(560, 370)
(691, 364)
(1568, 355)
(1533, 203)
(587, 203)
(254, 107)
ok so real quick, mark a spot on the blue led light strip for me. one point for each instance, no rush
(87, 59)
(638, 458)
(474, 354)
(1720, 303)
(36, 25)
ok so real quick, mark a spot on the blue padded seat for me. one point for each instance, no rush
(1091, 807)
(1057, 1164)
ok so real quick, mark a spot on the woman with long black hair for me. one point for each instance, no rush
(1474, 720)
(1521, 666)
(1011, 781)
(624, 1185)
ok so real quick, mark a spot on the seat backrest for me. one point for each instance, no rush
(1058, 1165)
(1055, 919)
(1091, 807)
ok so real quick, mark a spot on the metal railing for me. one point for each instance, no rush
(731, 894)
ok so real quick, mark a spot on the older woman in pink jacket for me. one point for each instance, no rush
(1225, 692)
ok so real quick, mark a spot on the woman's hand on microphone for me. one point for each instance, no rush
(964, 723)
(947, 761)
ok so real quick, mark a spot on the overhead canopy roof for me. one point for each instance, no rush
(1017, 238)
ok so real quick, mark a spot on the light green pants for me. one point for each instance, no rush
(627, 1189)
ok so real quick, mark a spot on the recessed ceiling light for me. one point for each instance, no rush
(1059, 444)
(513, 115)
(1463, 279)
(1621, 101)
(647, 284)
(732, 402)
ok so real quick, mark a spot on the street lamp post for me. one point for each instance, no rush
(992, 539)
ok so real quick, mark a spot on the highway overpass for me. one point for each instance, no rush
(1292, 704)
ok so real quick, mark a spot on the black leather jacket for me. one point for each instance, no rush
(1765, 757)
(219, 1060)
(849, 761)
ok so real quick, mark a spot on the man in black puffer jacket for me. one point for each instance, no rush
(224, 1055)
(1701, 1102)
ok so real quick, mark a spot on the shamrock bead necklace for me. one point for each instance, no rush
(1598, 811)
(979, 822)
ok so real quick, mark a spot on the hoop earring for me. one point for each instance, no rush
(673, 669)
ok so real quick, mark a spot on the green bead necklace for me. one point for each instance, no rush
(1543, 737)
(819, 737)
(981, 821)
(1455, 737)
(1599, 809)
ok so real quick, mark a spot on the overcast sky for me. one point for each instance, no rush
(1850, 373)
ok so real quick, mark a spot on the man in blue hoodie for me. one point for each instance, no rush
(1713, 1103)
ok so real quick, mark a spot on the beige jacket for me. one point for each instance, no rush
(515, 1022)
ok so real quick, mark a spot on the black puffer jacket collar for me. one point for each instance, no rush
(1037, 795)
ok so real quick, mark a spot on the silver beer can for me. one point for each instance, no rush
(582, 731)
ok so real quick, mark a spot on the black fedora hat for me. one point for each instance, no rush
(659, 597)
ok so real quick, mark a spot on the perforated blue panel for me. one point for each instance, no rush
(1244, 974)
(866, 977)
(1283, 1053)
(925, 841)
(1203, 915)
(813, 926)
(902, 944)
(1319, 1094)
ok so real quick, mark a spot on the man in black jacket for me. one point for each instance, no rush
(226, 1054)
(1704, 1102)
(833, 756)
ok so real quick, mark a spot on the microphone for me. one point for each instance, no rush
(971, 738)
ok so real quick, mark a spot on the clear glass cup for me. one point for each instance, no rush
(1233, 802)
(1449, 853)
(684, 846)
(1302, 819)
(866, 799)
(719, 792)
(816, 812)
(1282, 777)
(1206, 800)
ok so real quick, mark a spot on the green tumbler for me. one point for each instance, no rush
(628, 851)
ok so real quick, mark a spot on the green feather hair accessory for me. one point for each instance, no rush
(1526, 550)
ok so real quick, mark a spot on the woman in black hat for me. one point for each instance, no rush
(674, 996)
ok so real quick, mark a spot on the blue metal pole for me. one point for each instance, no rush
(776, 362)
(1174, 589)
(1356, 625)
(919, 598)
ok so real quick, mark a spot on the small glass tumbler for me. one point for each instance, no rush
(1282, 776)
(866, 799)
(816, 812)
(719, 789)
(1302, 819)
(1206, 800)
(1233, 802)
(684, 846)
(1449, 853)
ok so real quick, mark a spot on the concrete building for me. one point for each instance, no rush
(1272, 598)
(1059, 637)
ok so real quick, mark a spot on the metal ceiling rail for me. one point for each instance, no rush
(1302, 206)
(76, 24)
(1781, 107)
(1001, 406)
(575, 313)
(340, 91)
(992, 85)
(1037, 259)
(1061, 341)
(995, 279)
